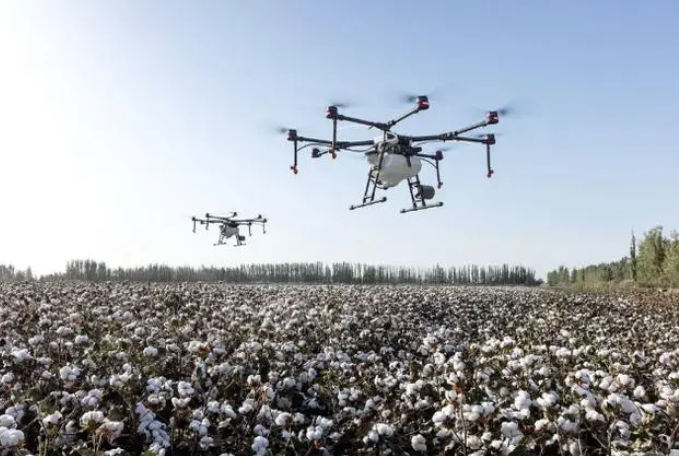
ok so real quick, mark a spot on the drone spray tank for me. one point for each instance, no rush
(395, 167)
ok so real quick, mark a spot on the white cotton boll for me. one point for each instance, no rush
(52, 419)
(112, 429)
(543, 371)
(593, 415)
(314, 432)
(635, 418)
(82, 339)
(181, 402)
(625, 380)
(650, 408)
(474, 442)
(93, 417)
(7, 421)
(419, 443)
(227, 410)
(89, 401)
(451, 395)
(522, 401)
(283, 419)
(69, 373)
(213, 407)
(8, 378)
(21, 355)
(439, 417)
(11, 438)
(623, 429)
(605, 383)
(665, 358)
(206, 442)
(371, 437)
(150, 351)
(261, 430)
(639, 392)
(184, 389)
(510, 429)
(200, 427)
(260, 444)
(36, 340)
(541, 424)
(439, 358)
(385, 430)
(567, 425)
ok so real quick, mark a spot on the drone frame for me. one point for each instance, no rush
(408, 147)
(229, 221)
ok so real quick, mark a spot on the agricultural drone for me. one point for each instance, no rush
(393, 157)
(229, 226)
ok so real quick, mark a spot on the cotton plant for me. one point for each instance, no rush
(293, 368)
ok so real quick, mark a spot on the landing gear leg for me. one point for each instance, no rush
(419, 194)
(369, 192)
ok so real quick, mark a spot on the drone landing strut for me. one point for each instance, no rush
(419, 195)
(370, 189)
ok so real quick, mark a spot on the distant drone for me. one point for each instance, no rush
(393, 157)
(229, 226)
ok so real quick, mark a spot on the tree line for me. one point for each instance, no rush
(321, 273)
(654, 261)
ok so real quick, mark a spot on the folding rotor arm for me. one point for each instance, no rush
(251, 221)
(206, 221)
(492, 118)
(333, 147)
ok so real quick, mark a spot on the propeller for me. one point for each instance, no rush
(344, 104)
(405, 97)
(485, 135)
(508, 109)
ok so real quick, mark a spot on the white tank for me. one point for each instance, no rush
(228, 231)
(395, 168)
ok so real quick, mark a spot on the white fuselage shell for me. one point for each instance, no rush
(395, 167)
(228, 231)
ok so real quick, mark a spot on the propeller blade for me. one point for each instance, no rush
(406, 97)
(508, 109)
(344, 104)
(485, 135)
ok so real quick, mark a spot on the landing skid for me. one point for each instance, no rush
(369, 192)
(418, 193)
(222, 241)
(419, 200)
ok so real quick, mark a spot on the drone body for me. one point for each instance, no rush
(395, 166)
(229, 227)
(395, 158)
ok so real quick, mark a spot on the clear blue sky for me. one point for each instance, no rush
(120, 120)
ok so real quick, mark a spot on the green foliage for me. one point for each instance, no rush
(652, 262)
(349, 273)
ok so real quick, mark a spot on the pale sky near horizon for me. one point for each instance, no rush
(120, 120)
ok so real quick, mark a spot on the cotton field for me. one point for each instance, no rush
(218, 370)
